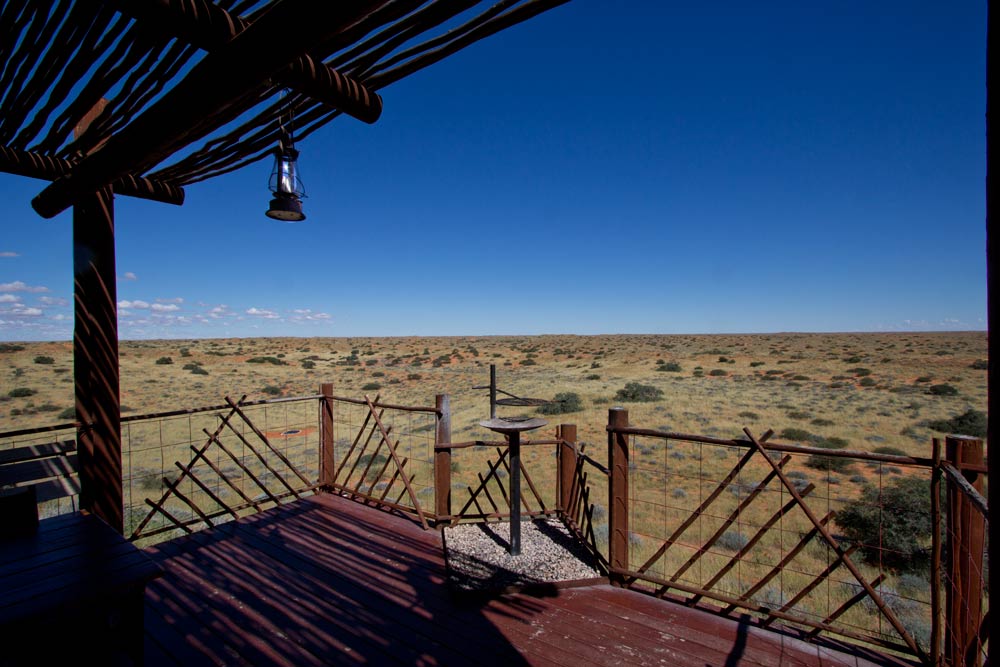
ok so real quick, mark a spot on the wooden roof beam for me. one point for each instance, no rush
(207, 26)
(208, 97)
(45, 167)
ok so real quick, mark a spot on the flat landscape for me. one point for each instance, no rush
(868, 389)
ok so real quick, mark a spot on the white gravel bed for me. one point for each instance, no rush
(479, 558)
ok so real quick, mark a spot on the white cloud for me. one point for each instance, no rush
(176, 299)
(8, 253)
(52, 301)
(27, 312)
(138, 305)
(8, 298)
(308, 315)
(128, 275)
(18, 286)
(165, 307)
(262, 312)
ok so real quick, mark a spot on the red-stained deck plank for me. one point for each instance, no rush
(326, 580)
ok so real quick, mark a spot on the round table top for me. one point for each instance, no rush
(501, 425)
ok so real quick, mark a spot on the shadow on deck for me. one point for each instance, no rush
(326, 581)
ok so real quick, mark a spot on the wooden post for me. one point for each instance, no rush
(567, 464)
(327, 460)
(95, 357)
(618, 528)
(966, 530)
(442, 459)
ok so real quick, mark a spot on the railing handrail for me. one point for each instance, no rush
(777, 446)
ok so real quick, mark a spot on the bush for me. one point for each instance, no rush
(198, 370)
(265, 360)
(21, 392)
(42, 359)
(371, 386)
(640, 393)
(272, 390)
(308, 364)
(829, 463)
(797, 434)
(10, 347)
(562, 403)
(68, 413)
(970, 422)
(980, 365)
(942, 390)
(669, 367)
(593, 376)
(900, 517)
(867, 382)
(164, 361)
(717, 372)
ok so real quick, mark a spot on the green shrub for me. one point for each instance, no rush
(747, 414)
(640, 393)
(755, 364)
(669, 367)
(717, 372)
(886, 449)
(593, 376)
(562, 403)
(68, 413)
(867, 382)
(10, 347)
(42, 359)
(164, 361)
(899, 516)
(860, 372)
(371, 386)
(198, 370)
(21, 392)
(308, 364)
(797, 434)
(942, 390)
(829, 463)
(980, 365)
(970, 422)
(265, 360)
(272, 390)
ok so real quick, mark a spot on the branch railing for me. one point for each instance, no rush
(804, 537)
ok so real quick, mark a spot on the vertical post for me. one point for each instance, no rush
(618, 528)
(493, 391)
(966, 528)
(442, 459)
(566, 433)
(95, 357)
(515, 492)
(327, 460)
(936, 615)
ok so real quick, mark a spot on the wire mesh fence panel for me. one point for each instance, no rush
(813, 540)
(385, 454)
(183, 472)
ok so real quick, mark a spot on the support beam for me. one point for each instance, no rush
(209, 27)
(36, 165)
(95, 357)
(208, 97)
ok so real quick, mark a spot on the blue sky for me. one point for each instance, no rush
(725, 167)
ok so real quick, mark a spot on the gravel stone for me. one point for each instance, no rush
(479, 559)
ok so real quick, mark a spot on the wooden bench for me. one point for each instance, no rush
(50, 468)
(71, 587)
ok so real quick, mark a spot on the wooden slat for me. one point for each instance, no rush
(38, 469)
(29, 452)
(60, 487)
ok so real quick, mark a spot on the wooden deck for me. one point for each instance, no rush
(328, 581)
